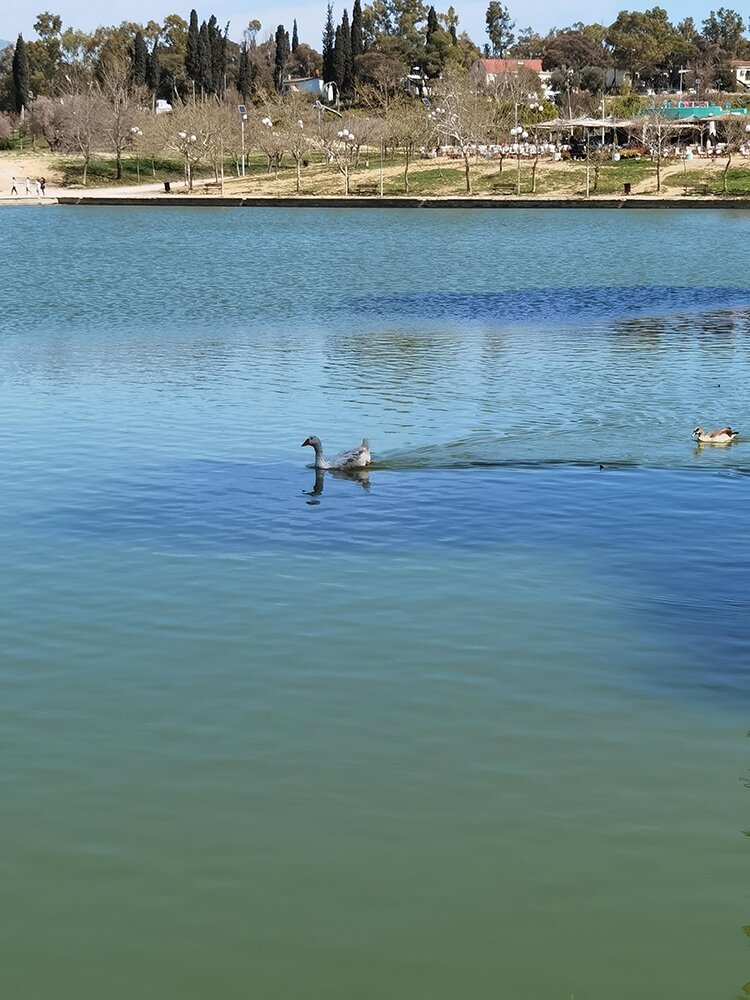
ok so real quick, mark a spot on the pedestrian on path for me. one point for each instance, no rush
(42, 184)
(13, 188)
(28, 187)
(38, 187)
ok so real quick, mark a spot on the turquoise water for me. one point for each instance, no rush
(471, 725)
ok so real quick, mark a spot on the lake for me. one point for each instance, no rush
(473, 724)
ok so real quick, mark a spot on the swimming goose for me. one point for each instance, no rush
(357, 458)
(723, 436)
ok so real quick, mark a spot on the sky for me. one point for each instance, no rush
(310, 14)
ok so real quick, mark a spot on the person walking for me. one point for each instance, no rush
(28, 187)
(42, 185)
(13, 188)
(38, 187)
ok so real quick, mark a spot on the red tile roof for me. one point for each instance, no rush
(510, 65)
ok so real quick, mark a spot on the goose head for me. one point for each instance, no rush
(697, 431)
(312, 441)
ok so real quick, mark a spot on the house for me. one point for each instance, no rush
(305, 84)
(741, 68)
(491, 72)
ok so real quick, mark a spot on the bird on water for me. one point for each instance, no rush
(356, 458)
(724, 435)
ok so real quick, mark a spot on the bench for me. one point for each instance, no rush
(503, 187)
(207, 185)
(370, 189)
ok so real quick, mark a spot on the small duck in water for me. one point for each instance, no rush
(722, 436)
(357, 458)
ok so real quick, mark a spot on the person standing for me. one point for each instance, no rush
(13, 188)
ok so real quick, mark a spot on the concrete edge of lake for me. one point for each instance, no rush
(355, 201)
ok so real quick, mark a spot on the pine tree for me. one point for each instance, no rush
(358, 42)
(139, 59)
(206, 76)
(295, 37)
(153, 70)
(193, 50)
(21, 76)
(329, 45)
(281, 57)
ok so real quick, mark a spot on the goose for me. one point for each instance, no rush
(723, 436)
(357, 458)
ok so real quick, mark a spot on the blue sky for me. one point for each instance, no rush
(310, 14)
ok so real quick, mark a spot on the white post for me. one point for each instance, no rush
(222, 167)
(381, 167)
(242, 130)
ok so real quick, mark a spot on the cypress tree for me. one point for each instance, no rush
(139, 59)
(218, 43)
(453, 34)
(205, 76)
(281, 57)
(295, 37)
(193, 50)
(358, 42)
(347, 85)
(21, 76)
(153, 70)
(339, 61)
(244, 74)
(432, 25)
(329, 45)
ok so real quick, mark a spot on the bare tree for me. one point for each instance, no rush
(121, 109)
(464, 117)
(47, 120)
(657, 131)
(411, 128)
(198, 133)
(83, 114)
(296, 129)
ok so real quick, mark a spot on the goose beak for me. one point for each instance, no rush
(307, 441)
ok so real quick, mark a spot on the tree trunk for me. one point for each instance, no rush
(298, 174)
(467, 168)
(85, 168)
(502, 161)
(406, 173)
(658, 174)
(533, 175)
(118, 169)
(726, 173)
(346, 179)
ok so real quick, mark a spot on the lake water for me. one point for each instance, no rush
(471, 726)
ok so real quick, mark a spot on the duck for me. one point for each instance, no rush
(357, 458)
(722, 436)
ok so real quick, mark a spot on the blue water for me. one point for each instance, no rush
(471, 723)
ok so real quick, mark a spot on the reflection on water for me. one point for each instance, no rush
(485, 691)
(359, 476)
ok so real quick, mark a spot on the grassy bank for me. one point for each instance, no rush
(436, 177)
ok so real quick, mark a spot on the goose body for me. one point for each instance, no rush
(722, 436)
(357, 458)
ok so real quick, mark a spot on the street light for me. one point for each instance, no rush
(519, 133)
(243, 118)
(135, 132)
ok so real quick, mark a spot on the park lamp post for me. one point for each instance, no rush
(243, 118)
(347, 139)
(186, 142)
(135, 133)
(519, 133)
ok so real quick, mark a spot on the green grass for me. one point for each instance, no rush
(102, 172)
(711, 181)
